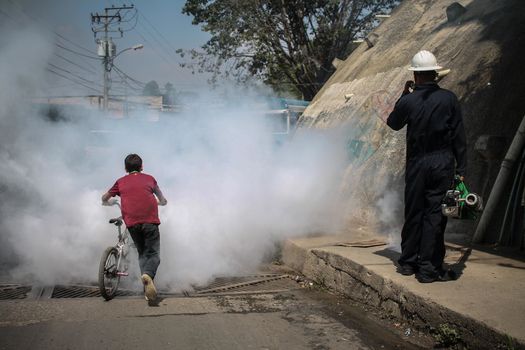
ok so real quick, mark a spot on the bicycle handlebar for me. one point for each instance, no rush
(116, 221)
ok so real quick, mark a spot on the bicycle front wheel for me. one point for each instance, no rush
(108, 277)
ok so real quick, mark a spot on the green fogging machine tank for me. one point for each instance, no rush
(459, 203)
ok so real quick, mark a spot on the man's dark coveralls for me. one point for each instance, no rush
(435, 138)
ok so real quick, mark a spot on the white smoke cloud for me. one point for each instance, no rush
(233, 190)
(390, 215)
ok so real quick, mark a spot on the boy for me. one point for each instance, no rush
(137, 193)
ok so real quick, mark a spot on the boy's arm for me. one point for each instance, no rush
(113, 191)
(105, 197)
(160, 197)
(107, 201)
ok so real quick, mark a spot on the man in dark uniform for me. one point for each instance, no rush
(436, 151)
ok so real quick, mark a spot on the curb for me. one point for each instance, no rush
(349, 278)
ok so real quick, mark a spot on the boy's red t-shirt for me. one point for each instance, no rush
(138, 204)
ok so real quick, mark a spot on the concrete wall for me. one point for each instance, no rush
(484, 48)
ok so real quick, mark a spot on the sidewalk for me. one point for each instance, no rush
(486, 304)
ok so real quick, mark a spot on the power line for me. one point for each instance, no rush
(75, 64)
(6, 15)
(125, 82)
(126, 85)
(60, 86)
(21, 10)
(64, 48)
(34, 19)
(70, 79)
(125, 79)
(110, 14)
(154, 28)
(167, 43)
(164, 51)
(106, 21)
(123, 17)
(138, 82)
(77, 53)
(154, 47)
(73, 74)
(157, 41)
(83, 61)
(72, 42)
(139, 14)
(132, 27)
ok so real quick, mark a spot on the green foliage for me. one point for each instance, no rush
(510, 343)
(151, 89)
(290, 45)
(447, 336)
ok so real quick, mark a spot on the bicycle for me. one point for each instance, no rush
(114, 263)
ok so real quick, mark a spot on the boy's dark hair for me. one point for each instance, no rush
(133, 163)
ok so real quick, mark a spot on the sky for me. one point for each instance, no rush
(160, 26)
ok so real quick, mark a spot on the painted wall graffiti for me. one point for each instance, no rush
(366, 125)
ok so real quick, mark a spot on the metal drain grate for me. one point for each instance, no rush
(14, 292)
(247, 284)
(263, 283)
(60, 292)
(74, 292)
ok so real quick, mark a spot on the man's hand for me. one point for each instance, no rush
(162, 201)
(459, 178)
(408, 85)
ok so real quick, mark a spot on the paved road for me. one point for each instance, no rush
(295, 319)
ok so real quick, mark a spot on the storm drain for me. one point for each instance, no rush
(269, 283)
(85, 292)
(13, 292)
(263, 283)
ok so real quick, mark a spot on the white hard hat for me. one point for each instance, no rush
(424, 61)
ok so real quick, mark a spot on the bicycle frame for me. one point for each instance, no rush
(123, 238)
(114, 264)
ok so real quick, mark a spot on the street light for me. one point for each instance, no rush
(108, 65)
(134, 48)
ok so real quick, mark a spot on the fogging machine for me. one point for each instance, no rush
(459, 203)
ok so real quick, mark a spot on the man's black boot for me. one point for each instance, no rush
(406, 270)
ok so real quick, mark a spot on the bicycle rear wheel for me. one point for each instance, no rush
(108, 278)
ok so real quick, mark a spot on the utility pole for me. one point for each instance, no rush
(106, 47)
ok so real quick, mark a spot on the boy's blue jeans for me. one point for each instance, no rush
(147, 240)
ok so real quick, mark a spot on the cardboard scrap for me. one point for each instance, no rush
(362, 244)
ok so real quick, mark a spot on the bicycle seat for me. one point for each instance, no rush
(116, 221)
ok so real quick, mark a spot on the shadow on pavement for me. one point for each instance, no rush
(457, 267)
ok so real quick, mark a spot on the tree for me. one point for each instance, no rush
(288, 44)
(168, 88)
(170, 94)
(151, 89)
